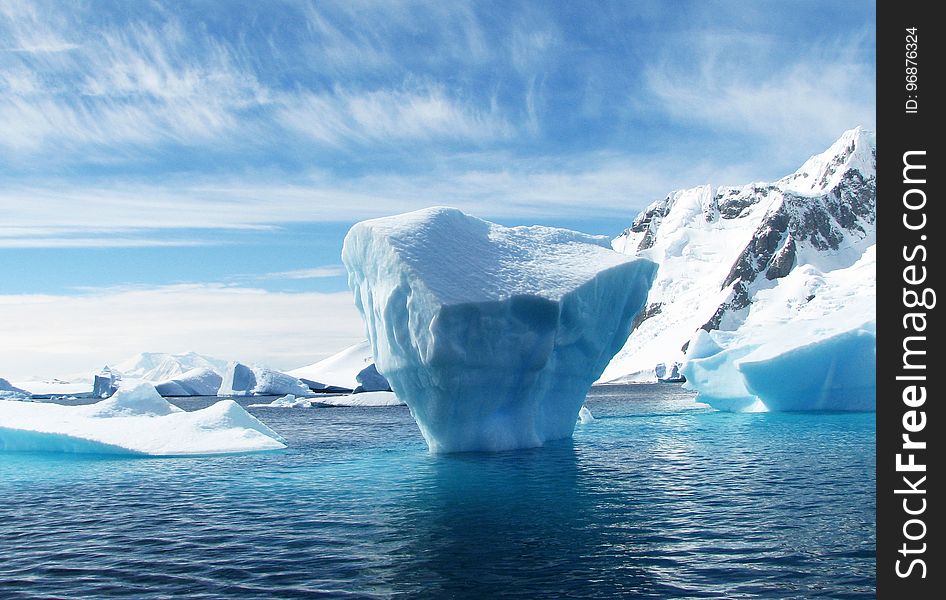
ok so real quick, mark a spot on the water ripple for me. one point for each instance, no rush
(655, 499)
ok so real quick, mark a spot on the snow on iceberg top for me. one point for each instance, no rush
(134, 421)
(463, 259)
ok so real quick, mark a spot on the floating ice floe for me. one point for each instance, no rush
(243, 380)
(362, 399)
(585, 416)
(287, 401)
(492, 335)
(136, 420)
(809, 344)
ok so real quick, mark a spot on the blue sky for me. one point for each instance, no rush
(220, 150)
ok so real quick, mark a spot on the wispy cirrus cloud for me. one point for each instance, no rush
(803, 98)
(601, 184)
(128, 88)
(426, 113)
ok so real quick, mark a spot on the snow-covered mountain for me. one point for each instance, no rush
(718, 248)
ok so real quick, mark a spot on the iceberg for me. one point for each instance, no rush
(287, 401)
(808, 344)
(187, 374)
(363, 399)
(584, 416)
(348, 370)
(369, 380)
(243, 380)
(105, 383)
(137, 421)
(199, 381)
(491, 335)
(8, 391)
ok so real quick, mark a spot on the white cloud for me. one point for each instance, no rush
(806, 101)
(140, 85)
(96, 242)
(62, 335)
(313, 273)
(497, 186)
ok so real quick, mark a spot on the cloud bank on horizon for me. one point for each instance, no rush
(151, 143)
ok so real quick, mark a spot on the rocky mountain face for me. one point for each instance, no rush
(717, 248)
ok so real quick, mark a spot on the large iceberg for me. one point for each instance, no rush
(809, 343)
(491, 335)
(135, 420)
(243, 380)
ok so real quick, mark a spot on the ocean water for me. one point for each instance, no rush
(657, 498)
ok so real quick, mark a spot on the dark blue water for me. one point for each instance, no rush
(655, 499)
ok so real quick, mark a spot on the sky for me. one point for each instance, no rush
(180, 176)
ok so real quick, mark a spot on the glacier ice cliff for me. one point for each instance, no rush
(491, 335)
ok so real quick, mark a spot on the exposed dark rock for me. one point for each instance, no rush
(783, 262)
(648, 312)
(738, 299)
(647, 222)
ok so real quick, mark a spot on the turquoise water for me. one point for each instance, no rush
(657, 498)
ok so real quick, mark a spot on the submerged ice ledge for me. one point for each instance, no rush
(491, 335)
(134, 421)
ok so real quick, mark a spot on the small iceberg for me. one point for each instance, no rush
(362, 399)
(8, 391)
(136, 421)
(585, 416)
(243, 380)
(287, 401)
